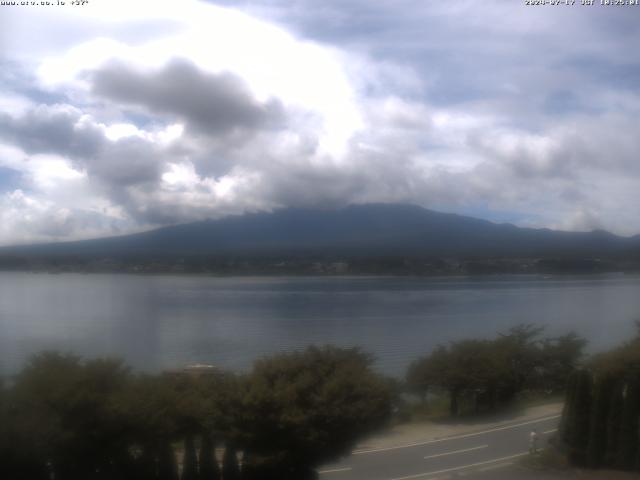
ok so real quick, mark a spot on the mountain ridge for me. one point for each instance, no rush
(381, 229)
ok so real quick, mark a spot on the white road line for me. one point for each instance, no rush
(463, 467)
(550, 431)
(334, 470)
(454, 452)
(456, 437)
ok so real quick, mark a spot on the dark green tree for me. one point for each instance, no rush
(560, 357)
(566, 423)
(623, 364)
(439, 370)
(522, 359)
(473, 369)
(19, 459)
(64, 409)
(628, 433)
(303, 409)
(167, 465)
(254, 468)
(145, 463)
(230, 468)
(614, 419)
(490, 372)
(578, 417)
(189, 460)
(597, 445)
(419, 380)
(209, 468)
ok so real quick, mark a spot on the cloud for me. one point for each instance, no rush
(26, 218)
(168, 113)
(210, 103)
(64, 130)
(570, 149)
(55, 128)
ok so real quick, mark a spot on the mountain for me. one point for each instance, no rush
(354, 231)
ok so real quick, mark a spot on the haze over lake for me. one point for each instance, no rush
(158, 322)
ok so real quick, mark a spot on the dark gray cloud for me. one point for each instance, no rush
(51, 129)
(211, 103)
(128, 161)
(63, 130)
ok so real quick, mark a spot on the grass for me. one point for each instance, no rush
(437, 408)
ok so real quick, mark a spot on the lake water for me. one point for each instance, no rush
(158, 322)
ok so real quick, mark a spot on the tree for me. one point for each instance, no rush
(566, 422)
(597, 445)
(621, 362)
(64, 410)
(521, 358)
(302, 409)
(439, 370)
(167, 465)
(628, 433)
(427, 372)
(190, 460)
(149, 409)
(19, 460)
(209, 469)
(418, 380)
(470, 370)
(578, 417)
(477, 369)
(230, 468)
(613, 422)
(494, 371)
(560, 357)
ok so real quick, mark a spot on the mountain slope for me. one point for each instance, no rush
(359, 230)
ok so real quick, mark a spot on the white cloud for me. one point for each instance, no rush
(271, 61)
(137, 114)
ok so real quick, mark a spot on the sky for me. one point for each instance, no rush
(119, 116)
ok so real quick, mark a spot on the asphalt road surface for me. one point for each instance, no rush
(476, 452)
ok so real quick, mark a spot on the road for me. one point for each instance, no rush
(481, 451)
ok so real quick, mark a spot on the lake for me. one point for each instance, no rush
(159, 322)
